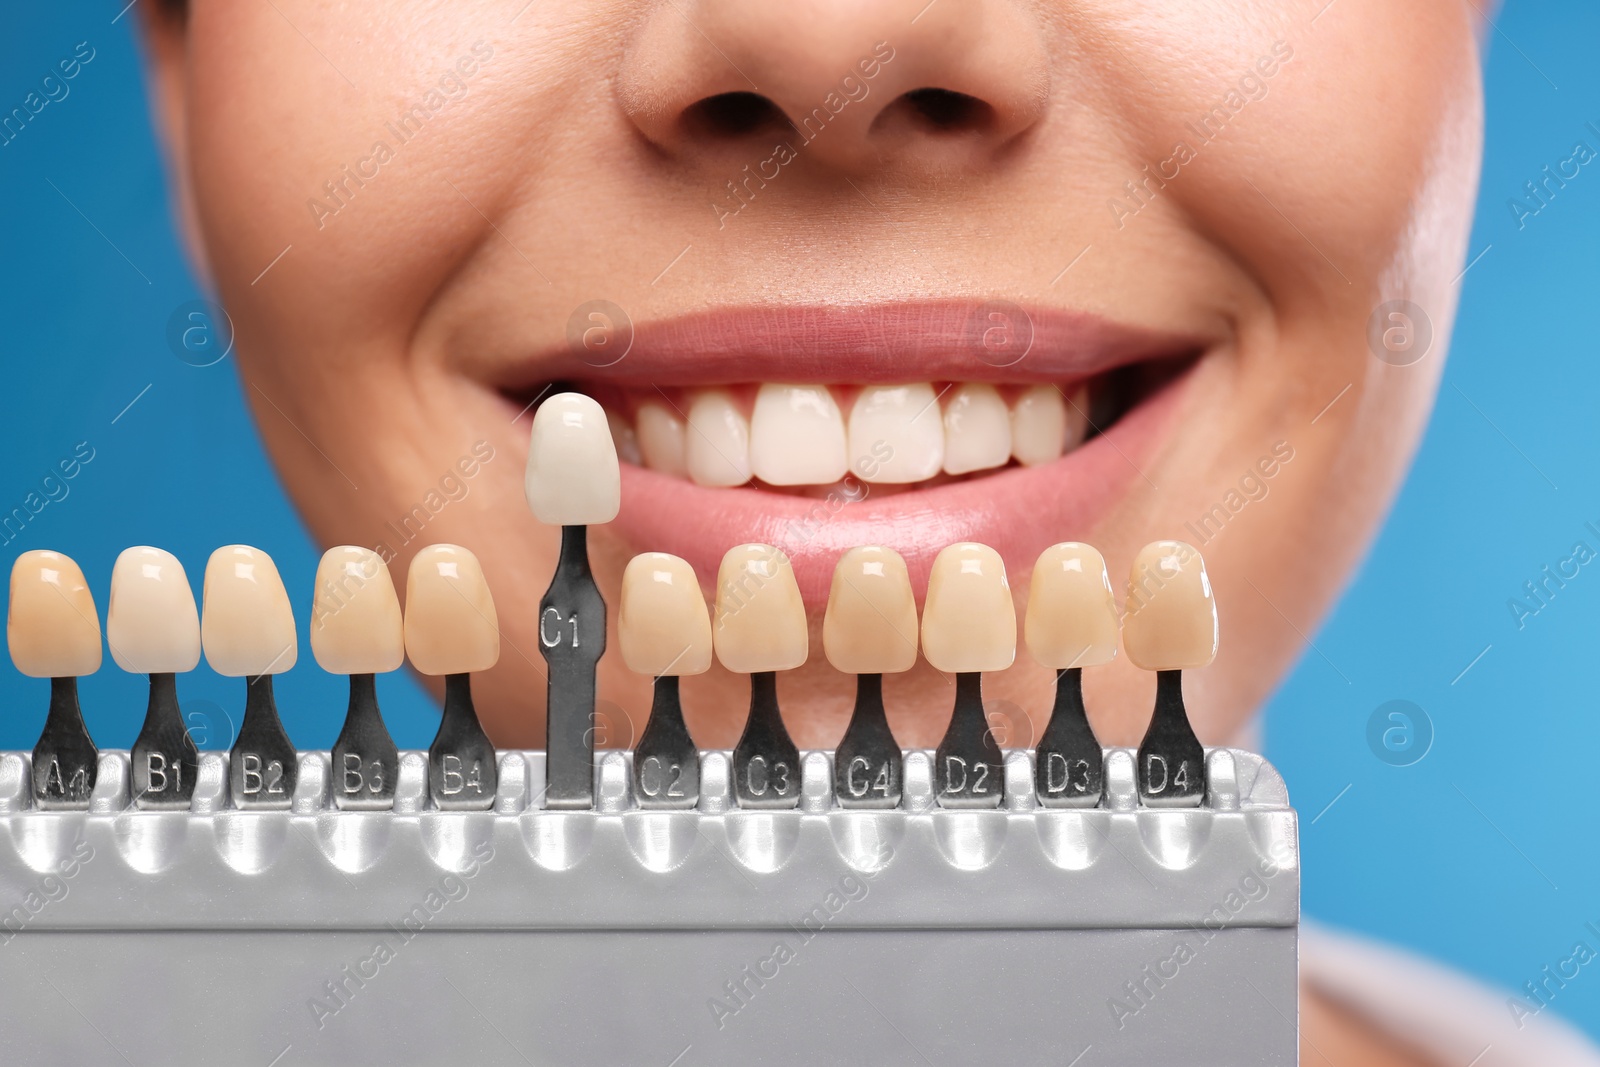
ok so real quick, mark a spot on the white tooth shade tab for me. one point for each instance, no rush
(573, 478)
(246, 624)
(761, 620)
(1038, 425)
(152, 623)
(451, 625)
(717, 446)
(870, 626)
(977, 429)
(355, 619)
(1170, 620)
(1072, 615)
(896, 434)
(663, 624)
(797, 436)
(969, 622)
(661, 439)
(51, 625)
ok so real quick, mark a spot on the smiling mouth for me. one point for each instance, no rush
(817, 429)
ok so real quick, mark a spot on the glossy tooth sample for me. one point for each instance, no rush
(717, 445)
(977, 429)
(450, 622)
(663, 623)
(1171, 615)
(246, 624)
(969, 622)
(661, 439)
(870, 626)
(572, 474)
(152, 624)
(1038, 425)
(896, 434)
(355, 620)
(1072, 615)
(761, 620)
(797, 436)
(624, 439)
(52, 626)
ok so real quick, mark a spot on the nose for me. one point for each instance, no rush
(851, 84)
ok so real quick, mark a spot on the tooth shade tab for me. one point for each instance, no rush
(355, 619)
(717, 449)
(663, 623)
(573, 478)
(1072, 615)
(1170, 620)
(760, 618)
(797, 436)
(969, 622)
(450, 622)
(661, 439)
(977, 429)
(870, 625)
(247, 625)
(1039, 425)
(52, 626)
(152, 623)
(896, 434)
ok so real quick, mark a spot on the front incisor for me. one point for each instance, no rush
(1171, 615)
(969, 622)
(450, 623)
(52, 625)
(355, 618)
(246, 624)
(152, 624)
(870, 626)
(761, 620)
(663, 623)
(1072, 615)
(572, 477)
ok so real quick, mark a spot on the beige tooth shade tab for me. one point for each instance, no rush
(1171, 616)
(1072, 615)
(663, 623)
(52, 625)
(969, 622)
(761, 620)
(246, 624)
(870, 626)
(152, 624)
(355, 618)
(450, 622)
(573, 478)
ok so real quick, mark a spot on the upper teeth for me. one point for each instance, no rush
(807, 434)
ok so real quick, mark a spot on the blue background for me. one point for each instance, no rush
(1481, 853)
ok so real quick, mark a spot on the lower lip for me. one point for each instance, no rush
(1018, 511)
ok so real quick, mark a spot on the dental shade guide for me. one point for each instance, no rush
(572, 481)
(452, 629)
(247, 631)
(357, 630)
(870, 629)
(761, 629)
(969, 625)
(1071, 624)
(665, 632)
(153, 627)
(1170, 627)
(54, 632)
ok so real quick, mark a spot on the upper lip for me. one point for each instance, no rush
(878, 343)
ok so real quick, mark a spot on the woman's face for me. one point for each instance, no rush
(1161, 232)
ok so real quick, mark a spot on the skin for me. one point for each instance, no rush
(567, 171)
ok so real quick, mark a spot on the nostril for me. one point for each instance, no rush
(730, 115)
(945, 110)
